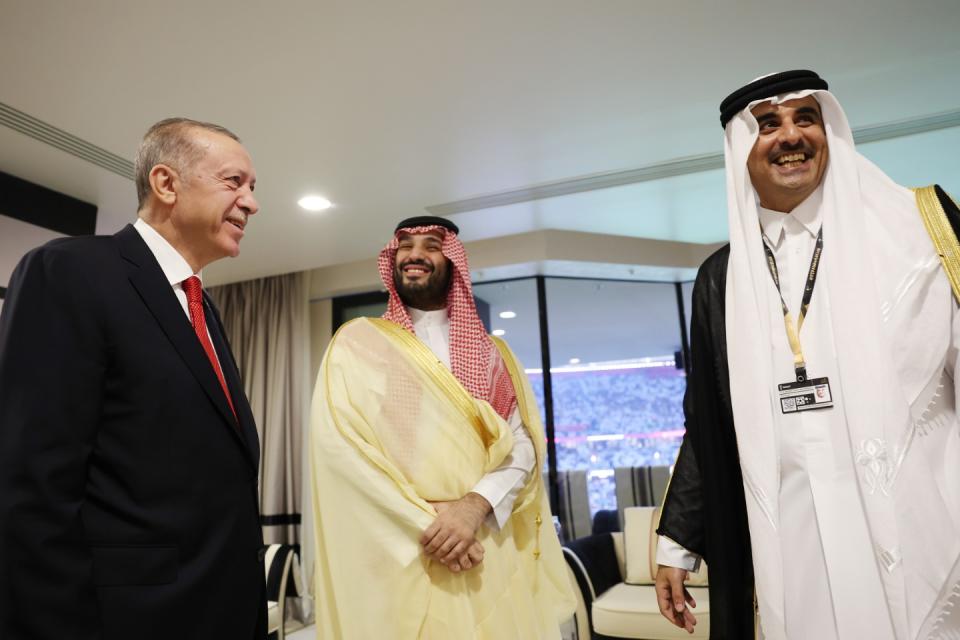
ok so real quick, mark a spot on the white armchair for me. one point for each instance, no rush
(615, 573)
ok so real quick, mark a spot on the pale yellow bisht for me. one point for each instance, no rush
(392, 430)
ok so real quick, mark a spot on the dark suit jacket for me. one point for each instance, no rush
(128, 492)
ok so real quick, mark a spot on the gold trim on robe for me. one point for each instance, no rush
(941, 232)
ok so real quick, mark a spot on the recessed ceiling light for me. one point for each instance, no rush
(574, 360)
(498, 332)
(314, 203)
(506, 315)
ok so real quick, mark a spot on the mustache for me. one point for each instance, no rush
(419, 263)
(783, 149)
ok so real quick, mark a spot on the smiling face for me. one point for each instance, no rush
(421, 272)
(790, 155)
(214, 199)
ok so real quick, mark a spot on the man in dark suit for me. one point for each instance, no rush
(128, 452)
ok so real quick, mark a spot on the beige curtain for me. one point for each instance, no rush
(267, 324)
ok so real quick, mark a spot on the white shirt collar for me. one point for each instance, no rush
(423, 318)
(174, 266)
(806, 216)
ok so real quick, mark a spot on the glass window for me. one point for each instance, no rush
(347, 308)
(371, 310)
(617, 391)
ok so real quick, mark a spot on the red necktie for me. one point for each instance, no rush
(192, 288)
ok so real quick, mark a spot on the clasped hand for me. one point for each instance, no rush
(451, 539)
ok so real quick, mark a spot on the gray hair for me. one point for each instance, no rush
(168, 142)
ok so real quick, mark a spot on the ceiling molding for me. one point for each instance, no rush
(681, 166)
(909, 127)
(60, 139)
(692, 164)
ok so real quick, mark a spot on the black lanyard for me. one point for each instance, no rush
(793, 330)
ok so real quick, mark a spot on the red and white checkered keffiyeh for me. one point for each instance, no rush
(474, 359)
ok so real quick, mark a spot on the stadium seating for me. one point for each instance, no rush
(574, 505)
(609, 419)
(640, 486)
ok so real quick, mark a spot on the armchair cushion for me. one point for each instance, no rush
(630, 611)
(640, 544)
(640, 548)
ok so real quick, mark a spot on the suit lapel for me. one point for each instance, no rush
(231, 374)
(147, 278)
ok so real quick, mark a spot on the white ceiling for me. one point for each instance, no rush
(390, 107)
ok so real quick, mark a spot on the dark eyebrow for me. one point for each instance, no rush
(809, 111)
(766, 117)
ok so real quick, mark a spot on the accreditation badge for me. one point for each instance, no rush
(805, 396)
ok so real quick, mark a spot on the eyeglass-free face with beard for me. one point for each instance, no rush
(421, 272)
(790, 155)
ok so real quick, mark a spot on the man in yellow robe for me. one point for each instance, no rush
(431, 516)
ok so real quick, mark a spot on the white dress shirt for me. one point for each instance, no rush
(174, 266)
(501, 486)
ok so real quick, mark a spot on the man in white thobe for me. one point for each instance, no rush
(828, 477)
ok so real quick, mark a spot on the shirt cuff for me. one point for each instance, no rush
(500, 488)
(671, 554)
(503, 485)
